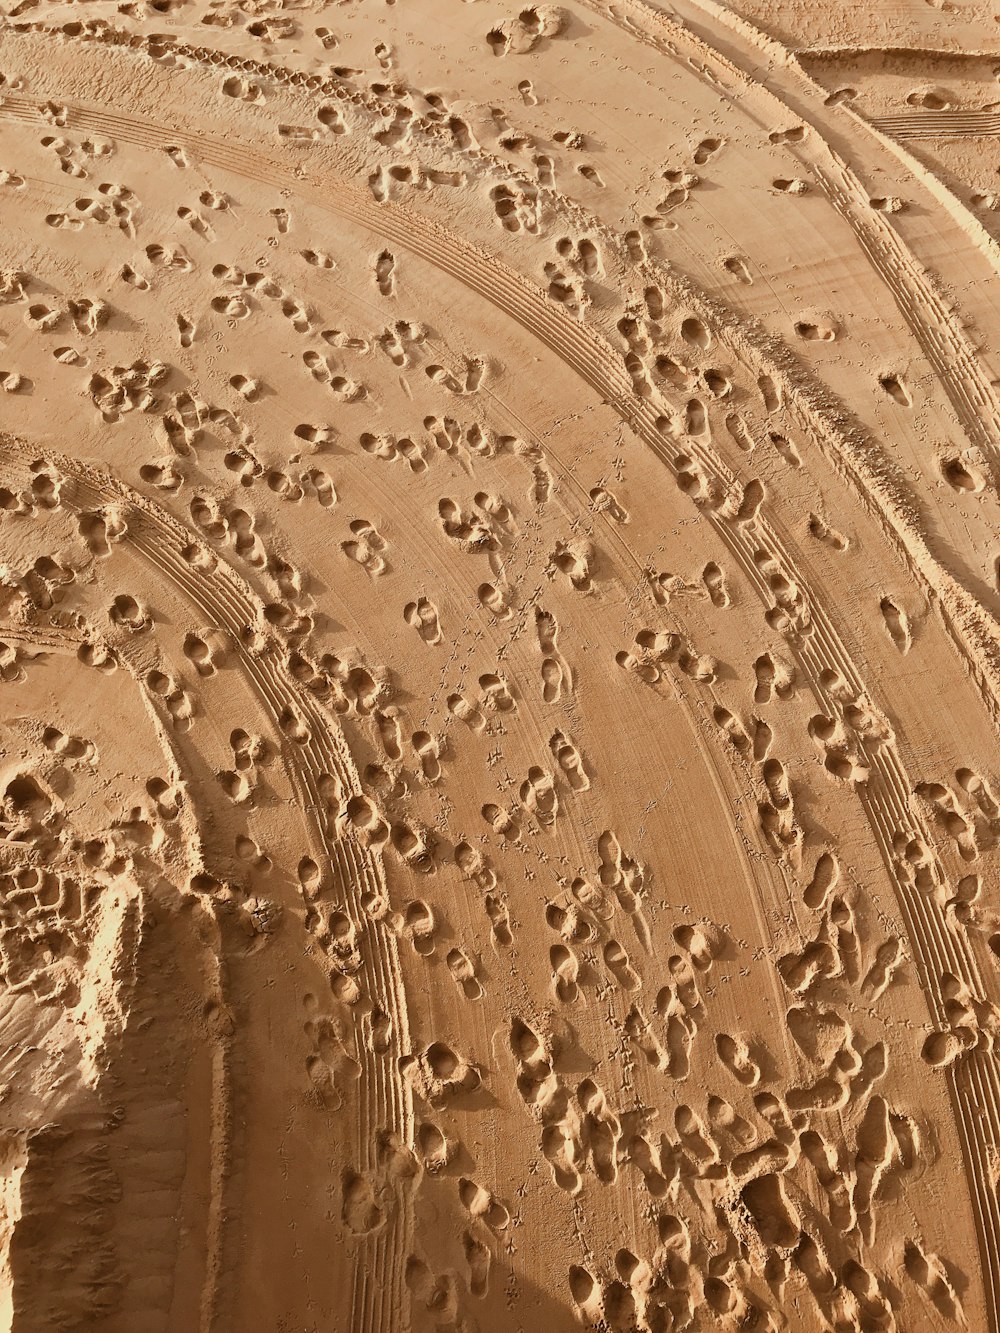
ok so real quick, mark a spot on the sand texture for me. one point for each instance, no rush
(499, 667)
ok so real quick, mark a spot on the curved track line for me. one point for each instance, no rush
(886, 799)
(839, 438)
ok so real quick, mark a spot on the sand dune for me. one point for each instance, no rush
(500, 552)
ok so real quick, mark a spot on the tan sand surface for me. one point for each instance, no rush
(499, 666)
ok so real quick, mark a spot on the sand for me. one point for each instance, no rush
(499, 667)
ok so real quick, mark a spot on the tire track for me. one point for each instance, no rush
(939, 125)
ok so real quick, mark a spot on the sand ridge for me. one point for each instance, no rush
(500, 586)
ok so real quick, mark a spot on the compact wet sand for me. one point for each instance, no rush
(499, 667)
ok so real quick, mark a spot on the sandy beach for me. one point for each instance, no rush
(499, 667)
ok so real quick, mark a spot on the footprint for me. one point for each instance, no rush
(825, 878)
(717, 384)
(889, 957)
(69, 747)
(130, 614)
(89, 315)
(463, 970)
(553, 679)
(438, 1073)
(774, 677)
(738, 268)
(734, 729)
(196, 222)
(418, 926)
(472, 379)
(639, 1030)
(618, 965)
(702, 942)
(820, 330)
(434, 1147)
(559, 1150)
(753, 497)
(896, 389)
(928, 1272)
(696, 333)
(178, 703)
(601, 1131)
(186, 330)
(735, 1055)
(495, 694)
(570, 923)
(401, 341)
(897, 624)
(587, 1295)
(482, 1206)
(962, 474)
(770, 392)
(565, 971)
(706, 150)
(574, 561)
(795, 134)
(331, 118)
(423, 617)
(362, 816)
(516, 207)
(502, 822)
(492, 599)
(478, 1259)
(522, 34)
(569, 759)
(428, 751)
(775, 776)
(785, 448)
(367, 548)
(472, 529)
(329, 1067)
(499, 916)
(931, 99)
(206, 651)
(538, 796)
(416, 845)
(385, 273)
(822, 531)
(458, 706)
(242, 90)
(715, 583)
(605, 503)
(361, 1212)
